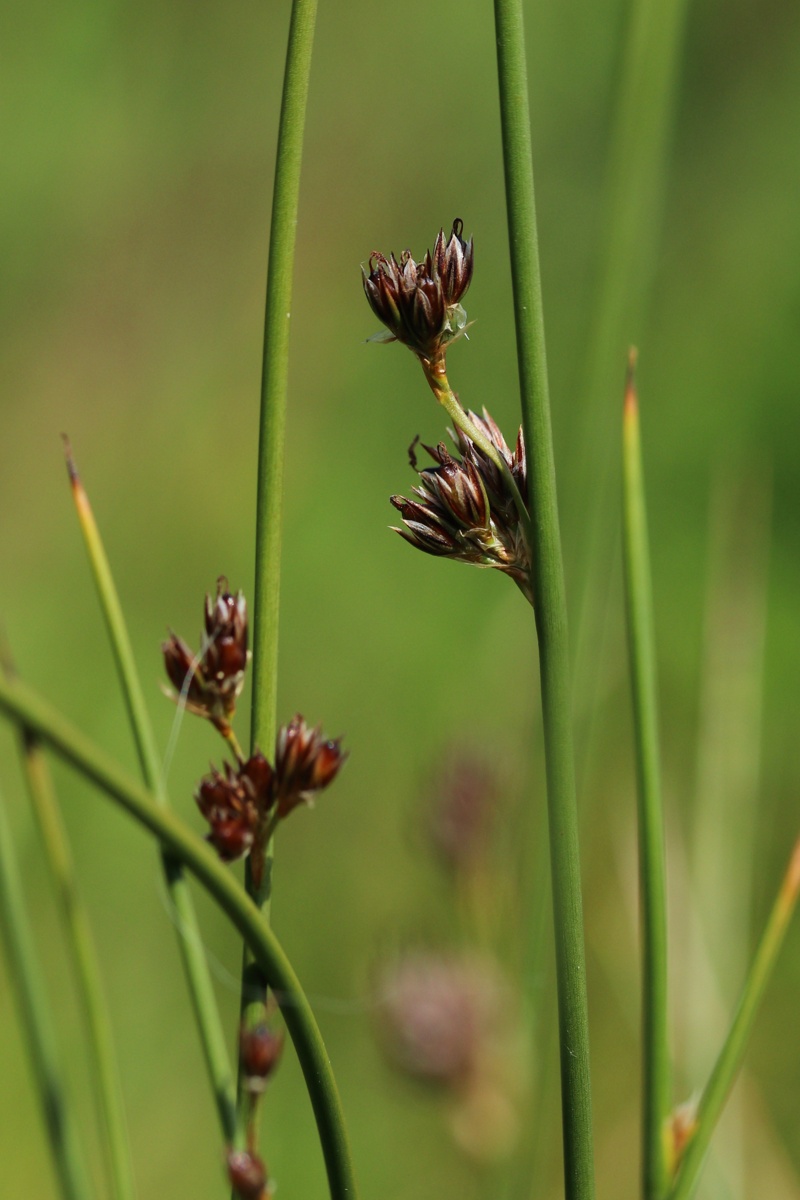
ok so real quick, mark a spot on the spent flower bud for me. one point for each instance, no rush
(260, 1052)
(210, 682)
(419, 302)
(247, 1174)
(465, 509)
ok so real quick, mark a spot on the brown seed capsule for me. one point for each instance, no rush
(260, 1051)
(231, 812)
(305, 763)
(418, 302)
(247, 1174)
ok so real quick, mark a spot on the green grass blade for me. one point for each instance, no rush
(652, 859)
(551, 615)
(730, 1059)
(201, 989)
(39, 1028)
(29, 711)
(82, 950)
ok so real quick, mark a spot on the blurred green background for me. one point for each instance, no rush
(138, 150)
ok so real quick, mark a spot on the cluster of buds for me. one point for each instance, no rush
(244, 803)
(465, 509)
(209, 683)
(419, 302)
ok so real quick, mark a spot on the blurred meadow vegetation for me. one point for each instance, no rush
(138, 155)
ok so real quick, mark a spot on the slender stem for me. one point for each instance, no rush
(732, 1053)
(27, 709)
(269, 498)
(39, 1029)
(652, 868)
(80, 944)
(274, 381)
(190, 942)
(550, 608)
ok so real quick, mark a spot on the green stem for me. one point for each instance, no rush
(198, 978)
(271, 446)
(730, 1059)
(275, 373)
(652, 869)
(550, 608)
(27, 709)
(80, 944)
(39, 1029)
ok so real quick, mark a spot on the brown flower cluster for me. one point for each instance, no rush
(242, 804)
(210, 682)
(419, 302)
(464, 508)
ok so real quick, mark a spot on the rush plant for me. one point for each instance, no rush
(485, 498)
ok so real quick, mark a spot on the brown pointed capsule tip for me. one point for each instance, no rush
(631, 397)
(72, 470)
(260, 1051)
(247, 1174)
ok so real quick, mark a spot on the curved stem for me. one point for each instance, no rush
(730, 1059)
(550, 607)
(190, 942)
(652, 864)
(39, 1028)
(27, 709)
